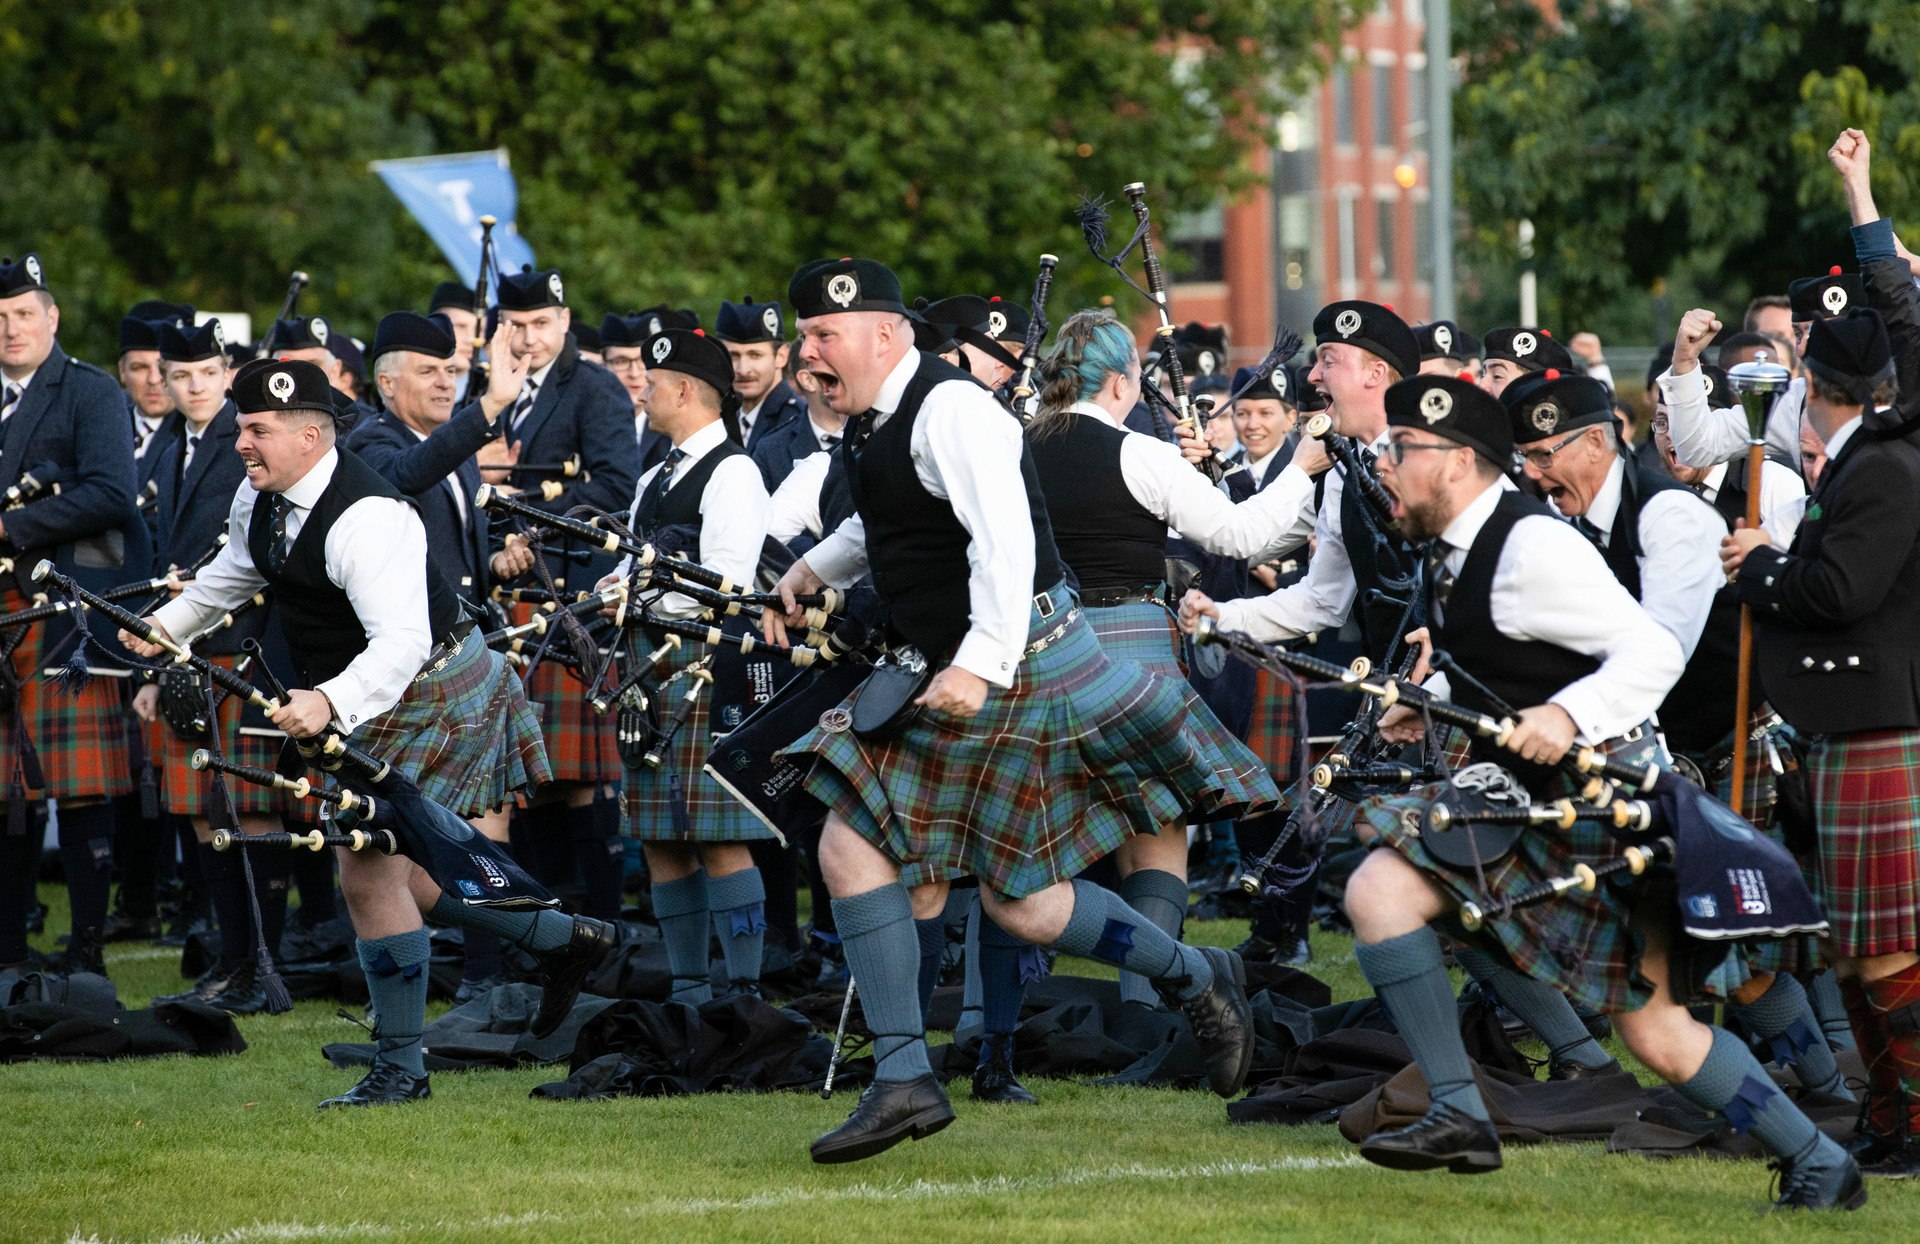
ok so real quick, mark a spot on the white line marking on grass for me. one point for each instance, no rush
(912, 1190)
(152, 953)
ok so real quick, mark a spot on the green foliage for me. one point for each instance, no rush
(1674, 148)
(678, 151)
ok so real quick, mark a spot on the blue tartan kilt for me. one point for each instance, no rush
(1081, 752)
(678, 802)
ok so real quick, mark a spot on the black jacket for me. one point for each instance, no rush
(777, 451)
(581, 409)
(456, 535)
(781, 410)
(192, 511)
(1839, 614)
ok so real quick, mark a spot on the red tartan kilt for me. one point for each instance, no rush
(1275, 730)
(186, 791)
(81, 739)
(1866, 800)
(580, 744)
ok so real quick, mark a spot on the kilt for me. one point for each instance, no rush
(464, 733)
(185, 791)
(579, 742)
(1866, 802)
(1277, 729)
(651, 805)
(1585, 944)
(1052, 774)
(1758, 796)
(81, 739)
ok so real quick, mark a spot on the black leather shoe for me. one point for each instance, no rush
(1298, 956)
(1444, 1137)
(1222, 1021)
(889, 1112)
(84, 954)
(204, 989)
(121, 928)
(743, 989)
(1893, 1161)
(1567, 1069)
(383, 1085)
(563, 971)
(1820, 1180)
(993, 1078)
(241, 994)
(1257, 949)
(1599, 1024)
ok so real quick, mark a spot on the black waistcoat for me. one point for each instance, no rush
(1382, 562)
(836, 495)
(679, 506)
(1623, 549)
(916, 547)
(316, 613)
(1105, 536)
(1522, 672)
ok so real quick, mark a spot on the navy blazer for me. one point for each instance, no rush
(192, 511)
(581, 409)
(781, 409)
(73, 424)
(427, 471)
(776, 452)
(146, 489)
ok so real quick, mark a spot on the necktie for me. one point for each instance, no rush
(10, 400)
(522, 405)
(1441, 578)
(830, 443)
(657, 486)
(278, 508)
(186, 455)
(1591, 532)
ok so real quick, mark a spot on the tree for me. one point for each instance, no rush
(677, 152)
(1677, 144)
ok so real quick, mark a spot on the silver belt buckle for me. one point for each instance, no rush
(1044, 603)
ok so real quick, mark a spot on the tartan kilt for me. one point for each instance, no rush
(185, 791)
(1082, 752)
(1866, 802)
(651, 806)
(464, 733)
(579, 742)
(1584, 944)
(81, 739)
(1758, 796)
(1276, 730)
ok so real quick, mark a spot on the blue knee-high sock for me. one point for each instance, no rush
(534, 931)
(739, 904)
(932, 938)
(1410, 977)
(1823, 991)
(1007, 966)
(396, 969)
(971, 1015)
(681, 908)
(1162, 898)
(1103, 927)
(1540, 1007)
(1732, 1084)
(876, 928)
(1784, 1018)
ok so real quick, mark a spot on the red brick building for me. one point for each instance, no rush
(1341, 208)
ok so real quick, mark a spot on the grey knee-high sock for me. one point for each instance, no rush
(931, 936)
(681, 908)
(739, 904)
(1823, 991)
(972, 1013)
(1162, 898)
(396, 969)
(876, 928)
(1731, 1084)
(534, 931)
(1103, 927)
(1540, 1007)
(1411, 979)
(1784, 1018)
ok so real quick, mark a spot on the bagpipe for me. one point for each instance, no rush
(295, 284)
(1025, 403)
(34, 483)
(1341, 449)
(1731, 881)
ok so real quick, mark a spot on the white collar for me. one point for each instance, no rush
(1714, 481)
(1842, 435)
(20, 384)
(1465, 527)
(1605, 506)
(305, 492)
(704, 441)
(539, 377)
(1097, 411)
(894, 387)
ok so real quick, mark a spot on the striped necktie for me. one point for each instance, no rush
(9, 401)
(522, 405)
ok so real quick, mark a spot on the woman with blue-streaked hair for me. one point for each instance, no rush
(1114, 495)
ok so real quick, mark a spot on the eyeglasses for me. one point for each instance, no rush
(1543, 458)
(1396, 451)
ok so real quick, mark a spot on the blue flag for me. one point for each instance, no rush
(448, 194)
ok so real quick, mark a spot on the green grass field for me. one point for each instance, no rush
(232, 1149)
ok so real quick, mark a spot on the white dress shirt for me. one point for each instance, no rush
(966, 450)
(1320, 601)
(1679, 553)
(733, 516)
(1783, 498)
(1702, 437)
(376, 553)
(1165, 484)
(1552, 586)
(796, 503)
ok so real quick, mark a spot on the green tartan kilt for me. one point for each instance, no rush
(678, 802)
(1585, 944)
(1052, 774)
(463, 732)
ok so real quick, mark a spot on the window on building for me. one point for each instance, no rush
(1296, 240)
(1416, 103)
(1422, 241)
(1199, 236)
(1383, 135)
(1386, 232)
(1343, 123)
(1349, 264)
